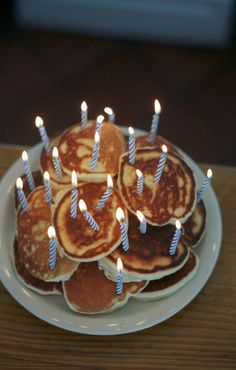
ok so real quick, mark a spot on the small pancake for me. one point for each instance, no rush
(33, 241)
(143, 142)
(77, 239)
(174, 197)
(76, 146)
(195, 226)
(148, 255)
(38, 180)
(89, 291)
(39, 286)
(157, 289)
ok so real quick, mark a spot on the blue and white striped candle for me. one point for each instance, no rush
(119, 282)
(44, 137)
(143, 222)
(107, 193)
(161, 164)
(140, 181)
(176, 237)
(99, 122)
(94, 158)
(27, 170)
(123, 229)
(47, 187)
(74, 195)
(205, 184)
(131, 146)
(155, 122)
(110, 113)
(84, 115)
(56, 163)
(87, 215)
(21, 195)
(52, 247)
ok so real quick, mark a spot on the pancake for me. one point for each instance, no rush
(33, 241)
(38, 180)
(46, 164)
(75, 151)
(143, 142)
(174, 197)
(39, 286)
(195, 226)
(157, 289)
(89, 291)
(148, 255)
(77, 239)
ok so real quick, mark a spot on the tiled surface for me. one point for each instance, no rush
(50, 74)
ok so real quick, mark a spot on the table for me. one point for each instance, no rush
(201, 336)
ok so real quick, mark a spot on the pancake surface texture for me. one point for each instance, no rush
(158, 289)
(195, 226)
(89, 291)
(33, 241)
(76, 146)
(148, 255)
(77, 239)
(143, 142)
(174, 197)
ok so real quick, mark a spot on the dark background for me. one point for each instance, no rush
(49, 74)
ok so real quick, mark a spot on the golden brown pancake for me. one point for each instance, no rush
(39, 286)
(174, 197)
(195, 226)
(157, 289)
(76, 146)
(143, 142)
(38, 180)
(77, 239)
(148, 255)
(33, 241)
(89, 291)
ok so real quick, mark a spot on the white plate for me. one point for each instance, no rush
(135, 315)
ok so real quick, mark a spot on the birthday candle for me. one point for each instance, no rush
(161, 164)
(21, 195)
(44, 137)
(56, 163)
(87, 215)
(111, 114)
(52, 247)
(155, 122)
(74, 195)
(131, 146)
(140, 181)
(143, 222)
(121, 219)
(94, 158)
(99, 122)
(205, 184)
(107, 193)
(47, 186)
(119, 283)
(27, 170)
(84, 115)
(176, 237)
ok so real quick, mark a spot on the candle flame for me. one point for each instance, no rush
(120, 214)
(19, 183)
(164, 148)
(139, 173)
(38, 122)
(100, 118)
(131, 130)
(51, 232)
(157, 106)
(84, 106)
(96, 137)
(108, 110)
(24, 156)
(178, 224)
(119, 265)
(209, 173)
(82, 205)
(74, 178)
(55, 152)
(109, 182)
(46, 176)
(140, 216)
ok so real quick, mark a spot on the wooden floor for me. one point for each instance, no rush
(50, 74)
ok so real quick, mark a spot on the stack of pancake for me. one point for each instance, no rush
(86, 259)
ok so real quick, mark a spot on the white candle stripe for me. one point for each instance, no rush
(131, 149)
(119, 284)
(125, 240)
(104, 198)
(52, 253)
(140, 182)
(57, 167)
(94, 158)
(48, 191)
(91, 221)
(84, 119)
(74, 201)
(160, 167)
(175, 241)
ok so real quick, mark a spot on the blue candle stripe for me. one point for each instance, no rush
(175, 241)
(52, 253)
(94, 158)
(99, 127)
(140, 181)
(143, 227)
(91, 221)
(125, 240)
(154, 128)
(131, 149)
(48, 191)
(74, 203)
(84, 119)
(160, 167)
(29, 175)
(44, 138)
(119, 284)
(22, 200)
(104, 198)
(57, 167)
(202, 190)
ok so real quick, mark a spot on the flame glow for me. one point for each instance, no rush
(131, 130)
(96, 137)
(19, 183)
(84, 106)
(119, 265)
(46, 176)
(109, 182)
(51, 232)
(164, 148)
(209, 173)
(100, 118)
(157, 106)
(24, 156)
(139, 173)
(120, 214)
(55, 152)
(140, 216)
(38, 122)
(108, 110)
(82, 205)
(74, 178)
(178, 224)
